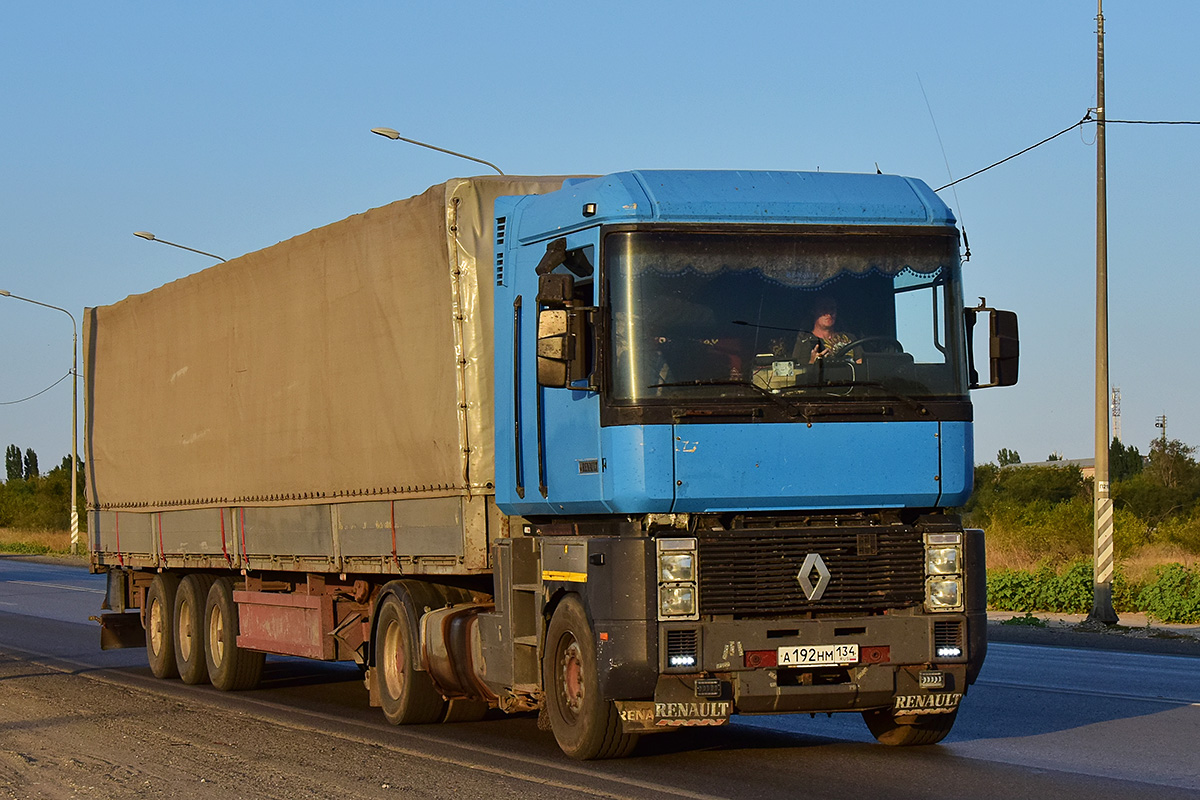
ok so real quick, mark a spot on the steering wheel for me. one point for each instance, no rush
(844, 350)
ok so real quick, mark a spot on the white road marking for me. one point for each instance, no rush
(59, 586)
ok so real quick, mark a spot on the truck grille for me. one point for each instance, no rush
(754, 573)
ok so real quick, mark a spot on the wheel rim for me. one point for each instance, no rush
(571, 673)
(156, 627)
(394, 663)
(186, 631)
(216, 634)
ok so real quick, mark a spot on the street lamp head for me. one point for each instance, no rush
(5, 293)
(150, 237)
(395, 136)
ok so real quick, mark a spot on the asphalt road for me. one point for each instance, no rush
(1042, 721)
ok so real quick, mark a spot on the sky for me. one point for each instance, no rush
(230, 126)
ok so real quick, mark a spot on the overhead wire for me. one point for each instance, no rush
(39, 394)
(1086, 119)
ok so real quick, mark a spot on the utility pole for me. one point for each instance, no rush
(1103, 558)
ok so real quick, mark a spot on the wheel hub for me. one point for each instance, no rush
(572, 677)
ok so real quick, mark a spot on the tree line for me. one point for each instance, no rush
(1045, 512)
(32, 501)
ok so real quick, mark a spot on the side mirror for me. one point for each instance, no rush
(1004, 347)
(561, 324)
(561, 359)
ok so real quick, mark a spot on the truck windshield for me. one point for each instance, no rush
(833, 314)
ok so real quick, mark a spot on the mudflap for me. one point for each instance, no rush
(928, 691)
(118, 631)
(678, 703)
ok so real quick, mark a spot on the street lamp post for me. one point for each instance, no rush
(74, 414)
(150, 237)
(391, 134)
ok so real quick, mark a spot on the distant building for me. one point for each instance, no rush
(1087, 466)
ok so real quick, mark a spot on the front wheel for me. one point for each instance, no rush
(585, 725)
(928, 729)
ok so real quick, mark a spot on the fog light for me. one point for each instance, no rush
(682, 661)
(949, 652)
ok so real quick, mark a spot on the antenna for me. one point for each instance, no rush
(957, 203)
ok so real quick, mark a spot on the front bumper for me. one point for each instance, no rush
(903, 663)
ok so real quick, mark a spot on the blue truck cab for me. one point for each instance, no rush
(732, 411)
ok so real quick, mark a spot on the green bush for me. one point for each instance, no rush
(1125, 594)
(1065, 592)
(1068, 592)
(1012, 590)
(1173, 595)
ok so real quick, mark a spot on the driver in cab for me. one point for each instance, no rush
(824, 338)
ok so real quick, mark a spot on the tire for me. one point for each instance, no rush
(407, 695)
(585, 725)
(160, 625)
(230, 667)
(928, 729)
(189, 628)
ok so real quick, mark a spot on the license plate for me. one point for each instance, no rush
(818, 655)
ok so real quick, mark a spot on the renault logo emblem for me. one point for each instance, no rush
(813, 562)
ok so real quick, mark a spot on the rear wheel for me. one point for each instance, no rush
(928, 728)
(407, 695)
(160, 625)
(230, 667)
(585, 725)
(189, 628)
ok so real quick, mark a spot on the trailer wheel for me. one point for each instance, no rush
(230, 667)
(407, 695)
(585, 725)
(189, 628)
(160, 625)
(928, 729)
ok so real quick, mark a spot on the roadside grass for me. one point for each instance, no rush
(35, 542)
(1138, 567)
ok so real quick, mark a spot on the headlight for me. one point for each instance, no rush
(677, 588)
(944, 594)
(676, 567)
(677, 600)
(943, 572)
(943, 561)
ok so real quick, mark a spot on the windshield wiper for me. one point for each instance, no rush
(891, 394)
(783, 403)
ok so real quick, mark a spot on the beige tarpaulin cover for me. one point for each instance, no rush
(354, 360)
